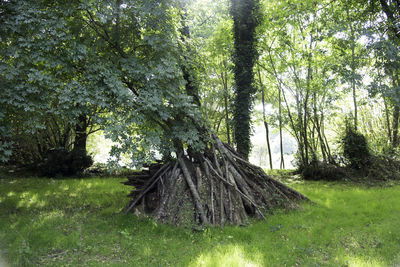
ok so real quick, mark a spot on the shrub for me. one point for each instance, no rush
(318, 170)
(355, 148)
(59, 161)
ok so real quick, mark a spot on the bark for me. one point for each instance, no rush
(81, 134)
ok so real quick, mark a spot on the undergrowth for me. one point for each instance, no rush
(77, 222)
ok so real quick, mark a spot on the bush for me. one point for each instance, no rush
(59, 161)
(355, 148)
(318, 170)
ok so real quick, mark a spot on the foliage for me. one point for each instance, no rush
(120, 65)
(57, 222)
(355, 148)
(245, 20)
(30, 149)
(317, 170)
(61, 162)
(211, 36)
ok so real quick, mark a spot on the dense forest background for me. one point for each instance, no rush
(73, 73)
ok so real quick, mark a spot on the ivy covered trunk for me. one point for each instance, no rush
(245, 20)
(218, 187)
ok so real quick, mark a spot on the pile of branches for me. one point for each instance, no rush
(218, 187)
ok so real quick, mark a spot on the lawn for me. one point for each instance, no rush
(77, 222)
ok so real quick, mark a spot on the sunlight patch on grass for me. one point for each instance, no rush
(147, 251)
(328, 203)
(353, 261)
(64, 187)
(44, 218)
(30, 200)
(231, 255)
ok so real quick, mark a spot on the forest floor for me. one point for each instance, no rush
(77, 222)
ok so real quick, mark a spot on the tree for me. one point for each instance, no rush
(137, 60)
(391, 10)
(41, 67)
(266, 122)
(297, 63)
(245, 20)
(211, 34)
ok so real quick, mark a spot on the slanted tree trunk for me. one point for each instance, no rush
(219, 187)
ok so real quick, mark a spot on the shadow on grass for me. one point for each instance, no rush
(76, 222)
(347, 227)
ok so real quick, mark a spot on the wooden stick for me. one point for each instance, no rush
(212, 201)
(220, 177)
(193, 190)
(163, 169)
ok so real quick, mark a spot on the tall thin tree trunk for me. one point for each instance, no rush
(396, 114)
(317, 124)
(354, 89)
(395, 137)
(389, 130)
(225, 83)
(265, 119)
(282, 165)
(353, 70)
(268, 142)
(305, 121)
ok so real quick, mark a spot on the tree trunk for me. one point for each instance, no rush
(353, 69)
(80, 135)
(282, 165)
(353, 81)
(224, 77)
(396, 114)
(389, 131)
(395, 137)
(265, 120)
(244, 14)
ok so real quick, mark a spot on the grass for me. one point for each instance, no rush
(77, 222)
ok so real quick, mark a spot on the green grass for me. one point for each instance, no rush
(77, 222)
